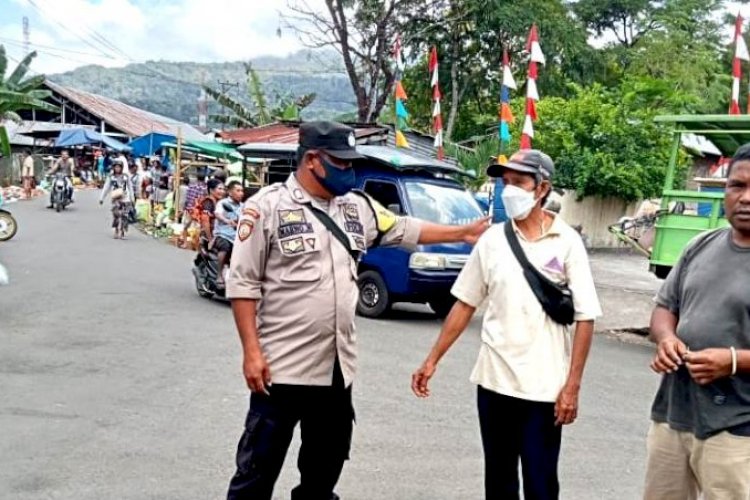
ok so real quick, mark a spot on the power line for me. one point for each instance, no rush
(84, 40)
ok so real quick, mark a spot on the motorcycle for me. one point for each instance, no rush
(60, 195)
(205, 272)
(8, 224)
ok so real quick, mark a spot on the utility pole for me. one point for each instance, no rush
(224, 86)
(26, 40)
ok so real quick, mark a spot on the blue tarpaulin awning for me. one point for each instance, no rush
(149, 144)
(83, 136)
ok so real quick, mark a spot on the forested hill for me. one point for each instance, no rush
(173, 88)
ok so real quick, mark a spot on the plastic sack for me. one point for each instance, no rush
(143, 210)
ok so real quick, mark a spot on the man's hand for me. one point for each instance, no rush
(257, 372)
(709, 365)
(566, 406)
(473, 231)
(669, 355)
(420, 379)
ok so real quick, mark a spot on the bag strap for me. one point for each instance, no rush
(533, 276)
(335, 230)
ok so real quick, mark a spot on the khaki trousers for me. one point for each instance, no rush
(680, 466)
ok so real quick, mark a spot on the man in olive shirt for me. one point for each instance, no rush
(699, 439)
(293, 286)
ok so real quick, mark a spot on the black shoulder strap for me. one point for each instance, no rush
(335, 230)
(510, 234)
(533, 276)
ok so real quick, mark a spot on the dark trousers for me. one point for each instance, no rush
(515, 428)
(326, 417)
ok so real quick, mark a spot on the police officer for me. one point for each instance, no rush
(293, 285)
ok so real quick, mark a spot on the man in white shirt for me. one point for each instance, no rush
(529, 367)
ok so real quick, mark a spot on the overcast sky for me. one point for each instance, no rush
(65, 32)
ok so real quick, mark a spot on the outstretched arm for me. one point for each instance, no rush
(439, 233)
(455, 324)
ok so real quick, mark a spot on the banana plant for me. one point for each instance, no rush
(19, 93)
(259, 113)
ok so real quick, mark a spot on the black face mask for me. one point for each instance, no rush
(337, 181)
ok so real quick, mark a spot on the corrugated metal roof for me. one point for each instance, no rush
(286, 133)
(420, 144)
(132, 121)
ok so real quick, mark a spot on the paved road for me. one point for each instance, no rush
(118, 381)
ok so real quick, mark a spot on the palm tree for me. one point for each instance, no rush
(19, 93)
(240, 115)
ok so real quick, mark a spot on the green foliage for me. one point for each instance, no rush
(285, 108)
(476, 159)
(19, 92)
(605, 142)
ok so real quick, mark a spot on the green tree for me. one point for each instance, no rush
(286, 107)
(605, 142)
(19, 93)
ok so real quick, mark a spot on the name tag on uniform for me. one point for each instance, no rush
(294, 229)
(354, 227)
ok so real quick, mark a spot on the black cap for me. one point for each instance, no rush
(333, 138)
(528, 161)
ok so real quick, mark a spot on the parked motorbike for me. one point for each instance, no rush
(8, 224)
(205, 271)
(60, 195)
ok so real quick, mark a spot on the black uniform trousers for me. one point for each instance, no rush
(514, 428)
(326, 417)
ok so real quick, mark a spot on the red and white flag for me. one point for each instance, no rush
(532, 93)
(740, 54)
(437, 118)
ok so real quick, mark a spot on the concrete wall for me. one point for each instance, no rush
(596, 215)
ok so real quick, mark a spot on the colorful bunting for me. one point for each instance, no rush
(437, 118)
(740, 54)
(506, 115)
(400, 121)
(532, 94)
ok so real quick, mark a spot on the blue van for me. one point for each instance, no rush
(406, 184)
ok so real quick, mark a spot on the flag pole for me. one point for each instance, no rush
(437, 117)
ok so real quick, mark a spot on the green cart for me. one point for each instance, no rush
(685, 214)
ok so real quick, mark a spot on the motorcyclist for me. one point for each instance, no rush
(65, 165)
(118, 183)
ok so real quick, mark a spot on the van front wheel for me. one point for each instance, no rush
(374, 300)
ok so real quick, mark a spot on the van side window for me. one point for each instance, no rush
(385, 193)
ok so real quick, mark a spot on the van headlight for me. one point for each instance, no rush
(421, 260)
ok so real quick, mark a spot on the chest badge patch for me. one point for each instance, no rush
(293, 246)
(287, 217)
(351, 212)
(245, 229)
(311, 243)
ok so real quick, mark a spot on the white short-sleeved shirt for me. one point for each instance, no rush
(524, 353)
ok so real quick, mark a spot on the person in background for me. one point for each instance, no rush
(99, 164)
(66, 166)
(225, 228)
(118, 183)
(124, 161)
(196, 191)
(182, 197)
(530, 367)
(205, 209)
(699, 439)
(27, 173)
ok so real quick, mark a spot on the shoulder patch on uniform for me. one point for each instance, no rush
(384, 217)
(245, 229)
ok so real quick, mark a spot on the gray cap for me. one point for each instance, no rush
(528, 161)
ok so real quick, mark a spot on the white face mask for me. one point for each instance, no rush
(518, 202)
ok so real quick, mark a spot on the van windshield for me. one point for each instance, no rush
(442, 204)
